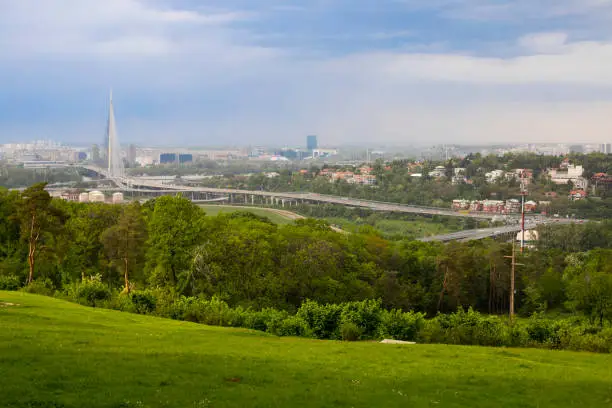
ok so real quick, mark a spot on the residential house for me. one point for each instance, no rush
(438, 172)
(494, 176)
(569, 173)
(576, 195)
(531, 206)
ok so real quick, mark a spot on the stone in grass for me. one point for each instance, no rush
(391, 341)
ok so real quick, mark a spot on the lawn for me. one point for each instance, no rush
(58, 354)
(397, 228)
(274, 216)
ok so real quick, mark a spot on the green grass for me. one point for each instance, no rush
(57, 354)
(394, 228)
(275, 217)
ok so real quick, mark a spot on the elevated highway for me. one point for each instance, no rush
(135, 184)
(509, 231)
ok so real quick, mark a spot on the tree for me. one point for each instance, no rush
(38, 220)
(124, 242)
(175, 228)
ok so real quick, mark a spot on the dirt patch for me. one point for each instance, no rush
(7, 304)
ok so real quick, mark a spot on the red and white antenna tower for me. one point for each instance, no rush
(523, 194)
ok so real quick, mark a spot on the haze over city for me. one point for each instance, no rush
(238, 71)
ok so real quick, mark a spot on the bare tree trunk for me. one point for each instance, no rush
(444, 286)
(31, 261)
(127, 282)
(31, 250)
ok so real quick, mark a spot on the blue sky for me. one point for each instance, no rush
(211, 72)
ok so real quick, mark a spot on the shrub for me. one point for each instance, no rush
(323, 320)
(542, 330)
(9, 282)
(472, 328)
(294, 326)
(366, 315)
(398, 325)
(40, 287)
(144, 302)
(350, 331)
(198, 310)
(431, 332)
(267, 320)
(92, 291)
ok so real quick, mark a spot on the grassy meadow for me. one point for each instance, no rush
(275, 216)
(58, 354)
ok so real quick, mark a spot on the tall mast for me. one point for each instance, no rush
(108, 131)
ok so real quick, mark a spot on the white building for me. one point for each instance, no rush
(117, 198)
(96, 197)
(438, 172)
(494, 176)
(569, 173)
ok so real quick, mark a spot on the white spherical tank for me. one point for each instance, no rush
(117, 198)
(96, 197)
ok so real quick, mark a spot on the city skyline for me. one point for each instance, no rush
(386, 72)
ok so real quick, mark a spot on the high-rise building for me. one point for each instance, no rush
(95, 153)
(605, 148)
(131, 155)
(576, 149)
(185, 158)
(167, 158)
(311, 143)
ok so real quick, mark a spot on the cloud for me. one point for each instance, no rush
(514, 9)
(85, 27)
(202, 75)
(544, 42)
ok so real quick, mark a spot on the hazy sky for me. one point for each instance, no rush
(204, 72)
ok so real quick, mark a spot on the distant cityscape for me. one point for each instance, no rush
(47, 153)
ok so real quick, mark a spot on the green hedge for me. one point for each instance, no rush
(366, 320)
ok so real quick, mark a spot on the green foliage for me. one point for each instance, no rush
(40, 286)
(92, 291)
(268, 320)
(144, 302)
(176, 227)
(324, 320)
(472, 328)
(399, 325)
(366, 315)
(294, 326)
(349, 331)
(10, 283)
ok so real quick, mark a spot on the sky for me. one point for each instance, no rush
(237, 72)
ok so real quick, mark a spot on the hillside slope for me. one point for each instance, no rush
(57, 354)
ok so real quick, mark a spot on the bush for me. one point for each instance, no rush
(472, 328)
(144, 302)
(323, 320)
(40, 287)
(398, 325)
(366, 315)
(92, 291)
(9, 282)
(431, 332)
(350, 331)
(198, 310)
(294, 326)
(268, 320)
(542, 330)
